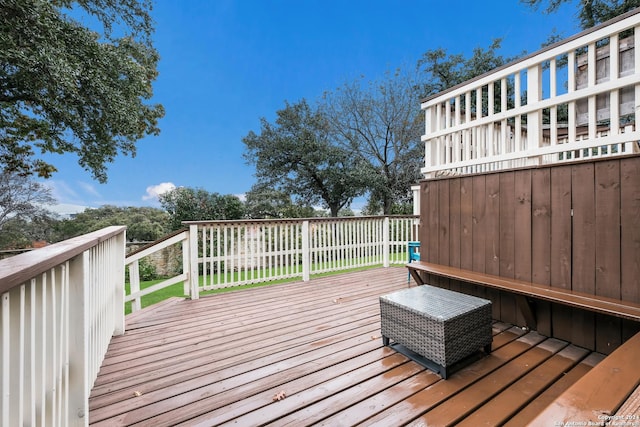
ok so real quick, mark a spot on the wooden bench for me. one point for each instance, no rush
(599, 396)
(525, 290)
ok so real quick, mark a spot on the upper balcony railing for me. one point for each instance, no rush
(575, 99)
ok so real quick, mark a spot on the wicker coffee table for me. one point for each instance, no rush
(440, 325)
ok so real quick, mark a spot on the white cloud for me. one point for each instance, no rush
(242, 197)
(153, 191)
(90, 189)
(61, 191)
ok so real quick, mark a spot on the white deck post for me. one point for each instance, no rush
(134, 284)
(186, 285)
(120, 249)
(415, 189)
(306, 261)
(385, 242)
(194, 276)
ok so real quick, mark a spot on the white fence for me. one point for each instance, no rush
(572, 100)
(60, 307)
(231, 253)
(222, 254)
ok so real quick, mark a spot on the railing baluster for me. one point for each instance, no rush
(6, 355)
(32, 352)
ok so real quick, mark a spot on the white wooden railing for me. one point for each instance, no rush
(570, 101)
(132, 263)
(222, 254)
(232, 253)
(60, 307)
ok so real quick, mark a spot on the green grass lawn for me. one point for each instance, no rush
(177, 289)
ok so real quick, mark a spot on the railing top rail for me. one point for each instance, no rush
(535, 167)
(540, 52)
(293, 220)
(156, 242)
(20, 268)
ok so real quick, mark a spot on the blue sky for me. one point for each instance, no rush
(227, 63)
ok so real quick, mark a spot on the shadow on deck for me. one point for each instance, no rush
(304, 353)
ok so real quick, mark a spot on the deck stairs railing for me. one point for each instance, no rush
(575, 99)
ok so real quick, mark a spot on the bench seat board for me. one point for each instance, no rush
(594, 303)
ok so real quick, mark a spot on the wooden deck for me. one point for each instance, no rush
(227, 359)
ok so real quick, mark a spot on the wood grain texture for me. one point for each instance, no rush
(630, 229)
(224, 359)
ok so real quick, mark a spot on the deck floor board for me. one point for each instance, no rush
(223, 359)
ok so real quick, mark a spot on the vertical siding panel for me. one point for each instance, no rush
(479, 229)
(541, 226)
(492, 221)
(540, 241)
(507, 224)
(607, 208)
(630, 237)
(522, 226)
(466, 223)
(466, 228)
(584, 250)
(454, 228)
(424, 220)
(492, 242)
(506, 201)
(561, 246)
(443, 226)
(561, 227)
(584, 245)
(433, 217)
(454, 223)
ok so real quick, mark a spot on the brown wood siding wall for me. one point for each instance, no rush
(573, 226)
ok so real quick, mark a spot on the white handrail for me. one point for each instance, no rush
(132, 262)
(60, 307)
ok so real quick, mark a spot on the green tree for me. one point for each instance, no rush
(590, 12)
(296, 155)
(380, 124)
(264, 201)
(20, 233)
(23, 198)
(65, 88)
(143, 224)
(197, 204)
(440, 70)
